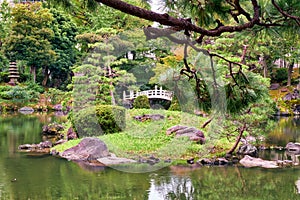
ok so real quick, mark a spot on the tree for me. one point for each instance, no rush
(5, 18)
(30, 37)
(63, 44)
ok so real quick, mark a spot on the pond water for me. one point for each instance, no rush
(46, 177)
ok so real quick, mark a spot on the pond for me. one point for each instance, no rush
(25, 176)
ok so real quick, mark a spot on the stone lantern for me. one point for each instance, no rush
(13, 73)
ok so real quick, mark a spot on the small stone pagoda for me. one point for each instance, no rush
(13, 73)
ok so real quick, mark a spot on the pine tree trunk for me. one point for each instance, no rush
(264, 66)
(290, 72)
(46, 76)
(113, 101)
(33, 72)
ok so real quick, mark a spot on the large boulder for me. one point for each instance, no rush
(293, 148)
(248, 149)
(184, 131)
(88, 149)
(249, 161)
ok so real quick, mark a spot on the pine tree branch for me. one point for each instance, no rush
(285, 14)
(182, 24)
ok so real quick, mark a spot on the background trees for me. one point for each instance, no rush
(45, 40)
(30, 37)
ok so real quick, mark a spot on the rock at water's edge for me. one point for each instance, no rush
(249, 161)
(87, 150)
(107, 161)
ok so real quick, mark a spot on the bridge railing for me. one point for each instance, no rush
(151, 94)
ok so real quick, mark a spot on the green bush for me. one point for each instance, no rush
(55, 95)
(98, 120)
(281, 74)
(141, 102)
(34, 87)
(17, 93)
(4, 88)
(4, 76)
(111, 118)
(175, 105)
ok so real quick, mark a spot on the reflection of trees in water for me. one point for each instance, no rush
(287, 130)
(226, 183)
(279, 155)
(172, 187)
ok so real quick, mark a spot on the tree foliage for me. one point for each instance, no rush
(30, 36)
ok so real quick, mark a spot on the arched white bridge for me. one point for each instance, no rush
(151, 94)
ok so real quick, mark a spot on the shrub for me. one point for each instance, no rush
(17, 93)
(4, 88)
(175, 105)
(141, 102)
(34, 87)
(281, 74)
(57, 96)
(111, 118)
(98, 120)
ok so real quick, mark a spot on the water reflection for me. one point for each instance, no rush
(286, 131)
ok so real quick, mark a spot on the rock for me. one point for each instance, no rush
(222, 161)
(274, 86)
(151, 160)
(26, 146)
(206, 161)
(287, 97)
(284, 163)
(54, 152)
(71, 134)
(297, 184)
(42, 147)
(45, 144)
(250, 139)
(107, 161)
(88, 149)
(185, 131)
(175, 128)
(293, 148)
(248, 149)
(249, 161)
(154, 117)
(52, 129)
(61, 141)
(296, 110)
(26, 110)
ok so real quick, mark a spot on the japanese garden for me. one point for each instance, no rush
(150, 99)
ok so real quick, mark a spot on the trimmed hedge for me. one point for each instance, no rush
(141, 102)
(111, 118)
(99, 120)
